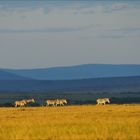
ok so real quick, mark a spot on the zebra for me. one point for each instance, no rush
(51, 102)
(30, 101)
(21, 103)
(103, 101)
(61, 102)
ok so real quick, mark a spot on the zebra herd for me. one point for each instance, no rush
(60, 102)
(23, 103)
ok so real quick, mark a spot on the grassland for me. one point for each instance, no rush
(85, 122)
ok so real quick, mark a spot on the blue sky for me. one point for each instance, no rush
(37, 34)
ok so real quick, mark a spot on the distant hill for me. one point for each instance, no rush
(79, 72)
(4, 75)
(96, 84)
(79, 84)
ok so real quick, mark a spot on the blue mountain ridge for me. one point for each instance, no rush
(4, 75)
(84, 71)
(93, 84)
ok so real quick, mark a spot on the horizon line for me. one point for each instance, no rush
(64, 66)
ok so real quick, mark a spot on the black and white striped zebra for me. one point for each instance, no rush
(21, 103)
(103, 101)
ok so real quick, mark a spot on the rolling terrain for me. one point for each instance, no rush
(79, 72)
(119, 89)
(79, 84)
(5, 75)
(96, 84)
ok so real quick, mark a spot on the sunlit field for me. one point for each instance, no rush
(85, 122)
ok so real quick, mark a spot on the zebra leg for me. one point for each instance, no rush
(98, 103)
(47, 104)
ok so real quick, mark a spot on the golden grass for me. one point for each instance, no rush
(86, 122)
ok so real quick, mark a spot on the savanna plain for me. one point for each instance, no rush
(81, 122)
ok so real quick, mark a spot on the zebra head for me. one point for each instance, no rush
(107, 100)
(33, 100)
(65, 101)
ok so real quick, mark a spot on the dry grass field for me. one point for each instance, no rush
(85, 122)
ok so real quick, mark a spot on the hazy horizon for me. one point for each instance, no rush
(64, 66)
(43, 34)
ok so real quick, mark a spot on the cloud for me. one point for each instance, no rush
(129, 29)
(66, 29)
(112, 36)
(93, 7)
(121, 6)
(117, 7)
(76, 7)
(118, 33)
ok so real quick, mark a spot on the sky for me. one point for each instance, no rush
(41, 34)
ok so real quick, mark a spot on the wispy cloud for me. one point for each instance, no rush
(112, 36)
(118, 33)
(105, 8)
(116, 7)
(77, 7)
(124, 32)
(130, 29)
(66, 29)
